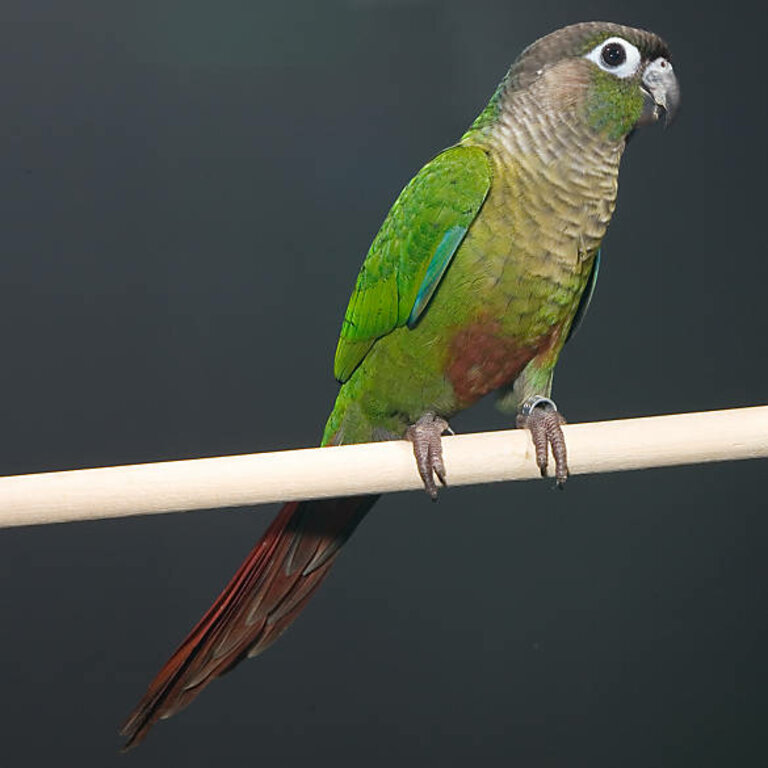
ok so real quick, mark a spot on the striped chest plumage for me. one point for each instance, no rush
(527, 258)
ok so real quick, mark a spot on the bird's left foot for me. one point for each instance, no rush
(540, 416)
(425, 435)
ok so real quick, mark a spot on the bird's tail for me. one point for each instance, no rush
(261, 601)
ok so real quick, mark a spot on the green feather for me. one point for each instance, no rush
(412, 251)
(437, 266)
(586, 297)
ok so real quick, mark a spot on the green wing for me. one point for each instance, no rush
(412, 250)
(586, 297)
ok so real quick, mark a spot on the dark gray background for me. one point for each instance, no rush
(188, 189)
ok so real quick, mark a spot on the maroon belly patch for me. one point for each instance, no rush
(482, 359)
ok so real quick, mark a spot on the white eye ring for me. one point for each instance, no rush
(626, 68)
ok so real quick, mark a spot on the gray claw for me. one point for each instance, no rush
(425, 435)
(540, 416)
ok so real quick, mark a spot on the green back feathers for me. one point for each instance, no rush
(412, 250)
(586, 297)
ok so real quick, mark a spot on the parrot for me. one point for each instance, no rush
(481, 271)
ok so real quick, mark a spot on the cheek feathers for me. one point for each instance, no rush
(563, 86)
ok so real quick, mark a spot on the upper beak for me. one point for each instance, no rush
(661, 91)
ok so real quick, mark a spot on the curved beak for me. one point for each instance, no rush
(661, 92)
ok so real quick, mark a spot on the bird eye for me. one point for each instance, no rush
(613, 54)
(617, 56)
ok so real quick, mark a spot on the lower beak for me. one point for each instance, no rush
(661, 92)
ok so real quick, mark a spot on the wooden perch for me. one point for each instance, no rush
(231, 481)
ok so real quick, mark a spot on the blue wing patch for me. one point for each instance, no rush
(586, 297)
(435, 271)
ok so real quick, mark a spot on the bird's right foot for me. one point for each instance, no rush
(425, 435)
(539, 415)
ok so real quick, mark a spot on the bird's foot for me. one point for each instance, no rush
(425, 435)
(539, 415)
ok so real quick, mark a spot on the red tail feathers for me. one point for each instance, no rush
(263, 598)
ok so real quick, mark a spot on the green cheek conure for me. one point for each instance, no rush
(477, 277)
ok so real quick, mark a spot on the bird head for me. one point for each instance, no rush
(615, 77)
